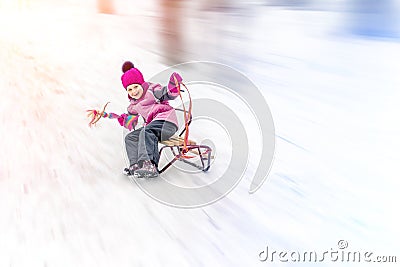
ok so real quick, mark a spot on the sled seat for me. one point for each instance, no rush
(177, 141)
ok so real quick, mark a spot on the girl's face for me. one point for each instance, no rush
(135, 91)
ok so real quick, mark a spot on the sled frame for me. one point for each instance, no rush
(175, 145)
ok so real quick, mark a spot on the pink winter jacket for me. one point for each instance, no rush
(153, 104)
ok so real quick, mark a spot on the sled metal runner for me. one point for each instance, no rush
(180, 152)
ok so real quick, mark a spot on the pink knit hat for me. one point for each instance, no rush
(131, 75)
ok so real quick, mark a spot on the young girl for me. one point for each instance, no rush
(150, 101)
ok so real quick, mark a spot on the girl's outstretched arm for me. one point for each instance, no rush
(128, 121)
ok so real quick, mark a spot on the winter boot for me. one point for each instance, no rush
(130, 171)
(148, 170)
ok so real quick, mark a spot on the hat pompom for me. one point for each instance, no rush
(127, 66)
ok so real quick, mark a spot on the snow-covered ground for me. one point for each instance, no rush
(64, 202)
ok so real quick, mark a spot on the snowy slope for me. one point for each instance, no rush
(64, 201)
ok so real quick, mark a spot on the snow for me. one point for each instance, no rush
(64, 202)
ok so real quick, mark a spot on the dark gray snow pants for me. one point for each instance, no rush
(142, 144)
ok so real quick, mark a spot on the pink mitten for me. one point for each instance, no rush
(172, 84)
